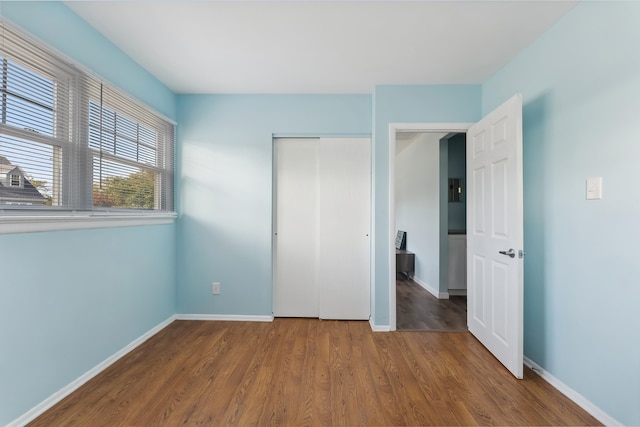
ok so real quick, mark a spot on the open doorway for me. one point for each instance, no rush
(430, 218)
(494, 225)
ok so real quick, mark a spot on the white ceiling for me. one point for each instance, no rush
(319, 46)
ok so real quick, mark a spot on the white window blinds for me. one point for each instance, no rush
(76, 142)
(35, 132)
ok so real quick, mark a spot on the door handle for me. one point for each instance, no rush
(510, 253)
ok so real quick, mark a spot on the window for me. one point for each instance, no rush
(129, 157)
(15, 181)
(32, 130)
(80, 144)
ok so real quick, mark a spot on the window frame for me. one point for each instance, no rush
(14, 177)
(75, 160)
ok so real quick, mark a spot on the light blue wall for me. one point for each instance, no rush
(225, 189)
(406, 104)
(71, 299)
(581, 91)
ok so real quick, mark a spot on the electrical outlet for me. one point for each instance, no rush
(215, 288)
(594, 188)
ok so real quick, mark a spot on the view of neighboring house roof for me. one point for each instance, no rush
(25, 193)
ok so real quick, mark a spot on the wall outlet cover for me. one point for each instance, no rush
(594, 188)
(215, 288)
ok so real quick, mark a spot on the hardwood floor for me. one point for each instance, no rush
(418, 310)
(294, 372)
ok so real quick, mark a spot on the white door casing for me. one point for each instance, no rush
(394, 128)
(495, 224)
(322, 226)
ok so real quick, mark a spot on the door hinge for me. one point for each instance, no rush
(521, 254)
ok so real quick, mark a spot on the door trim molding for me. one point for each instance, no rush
(393, 129)
(274, 217)
(378, 328)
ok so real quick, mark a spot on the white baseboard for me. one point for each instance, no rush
(457, 292)
(576, 397)
(56, 397)
(223, 317)
(432, 291)
(378, 328)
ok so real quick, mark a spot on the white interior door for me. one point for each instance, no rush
(345, 221)
(495, 233)
(296, 228)
(322, 226)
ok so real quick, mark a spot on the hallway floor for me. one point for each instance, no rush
(419, 310)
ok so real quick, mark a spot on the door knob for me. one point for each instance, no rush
(510, 253)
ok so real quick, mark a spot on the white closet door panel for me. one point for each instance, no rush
(345, 221)
(296, 228)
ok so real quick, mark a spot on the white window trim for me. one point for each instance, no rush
(35, 222)
(12, 176)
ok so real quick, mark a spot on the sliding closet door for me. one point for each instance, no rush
(296, 228)
(321, 241)
(345, 213)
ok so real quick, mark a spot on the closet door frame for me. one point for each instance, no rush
(340, 282)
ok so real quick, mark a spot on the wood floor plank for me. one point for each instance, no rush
(227, 368)
(418, 310)
(169, 398)
(366, 401)
(273, 392)
(310, 372)
(382, 384)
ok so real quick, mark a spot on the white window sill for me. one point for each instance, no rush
(73, 221)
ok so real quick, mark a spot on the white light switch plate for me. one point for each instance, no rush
(594, 188)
